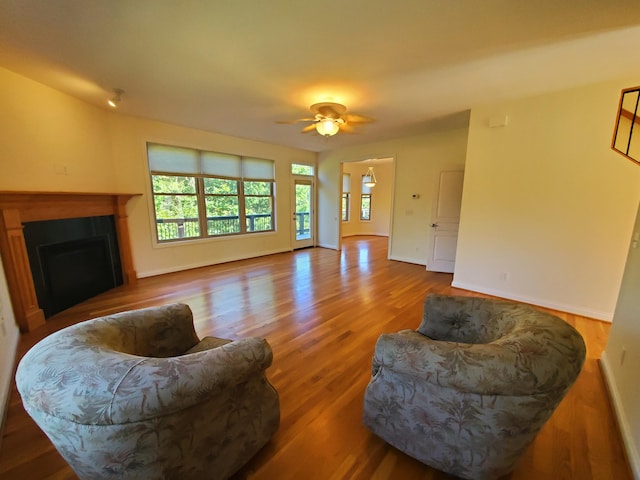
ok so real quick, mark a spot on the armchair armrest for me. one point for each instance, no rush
(519, 366)
(160, 386)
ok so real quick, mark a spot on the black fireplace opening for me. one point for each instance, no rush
(72, 260)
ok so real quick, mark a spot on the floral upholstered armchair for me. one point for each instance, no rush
(137, 395)
(469, 390)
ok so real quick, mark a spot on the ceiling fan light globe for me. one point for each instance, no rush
(327, 127)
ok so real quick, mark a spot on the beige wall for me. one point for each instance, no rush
(51, 141)
(130, 135)
(380, 222)
(621, 359)
(548, 207)
(418, 163)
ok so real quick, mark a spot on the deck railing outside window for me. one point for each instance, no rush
(179, 228)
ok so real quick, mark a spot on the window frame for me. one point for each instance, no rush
(362, 197)
(346, 211)
(201, 199)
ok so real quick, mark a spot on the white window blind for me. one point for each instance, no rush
(163, 158)
(169, 159)
(221, 165)
(365, 189)
(346, 183)
(257, 169)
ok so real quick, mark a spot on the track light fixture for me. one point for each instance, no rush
(115, 100)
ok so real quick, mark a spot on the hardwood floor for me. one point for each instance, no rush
(322, 311)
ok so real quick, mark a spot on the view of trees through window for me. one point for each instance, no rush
(365, 206)
(199, 194)
(177, 207)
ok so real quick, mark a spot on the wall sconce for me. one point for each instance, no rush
(113, 103)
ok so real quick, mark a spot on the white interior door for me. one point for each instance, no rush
(446, 221)
(302, 221)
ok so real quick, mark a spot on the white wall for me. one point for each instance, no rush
(9, 335)
(418, 162)
(380, 221)
(548, 207)
(621, 358)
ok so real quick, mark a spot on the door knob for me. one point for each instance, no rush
(434, 225)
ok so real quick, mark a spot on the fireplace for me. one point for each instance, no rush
(72, 260)
(19, 209)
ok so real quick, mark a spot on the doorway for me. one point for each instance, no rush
(302, 224)
(446, 222)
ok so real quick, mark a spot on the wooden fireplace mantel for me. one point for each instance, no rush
(17, 208)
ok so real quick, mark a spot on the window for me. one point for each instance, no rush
(365, 206)
(199, 194)
(299, 169)
(365, 201)
(346, 196)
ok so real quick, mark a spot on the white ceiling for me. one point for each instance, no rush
(238, 66)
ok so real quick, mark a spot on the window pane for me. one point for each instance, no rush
(298, 169)
(365, 207)
(257, 188)
(176, 216)
(222, 215)
(345, 207)
(220, 186)
(258, 211)
(173, 184)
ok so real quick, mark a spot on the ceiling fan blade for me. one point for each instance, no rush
(288, 122)
(346, 128)
(355, 118)
(309, 128)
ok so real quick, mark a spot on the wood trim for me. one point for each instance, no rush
(17, 208)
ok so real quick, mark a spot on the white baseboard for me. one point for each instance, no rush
(623, 424)
(328, 245)
(578, 310)
(162, 271)
(407, 260)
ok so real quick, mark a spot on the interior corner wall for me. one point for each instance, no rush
(130, 136)
(380, 221)
(51, 141)
(621, 358)
(9, 335)
(548, 207)
(418, 161)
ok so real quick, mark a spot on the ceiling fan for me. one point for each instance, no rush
(330, 118)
